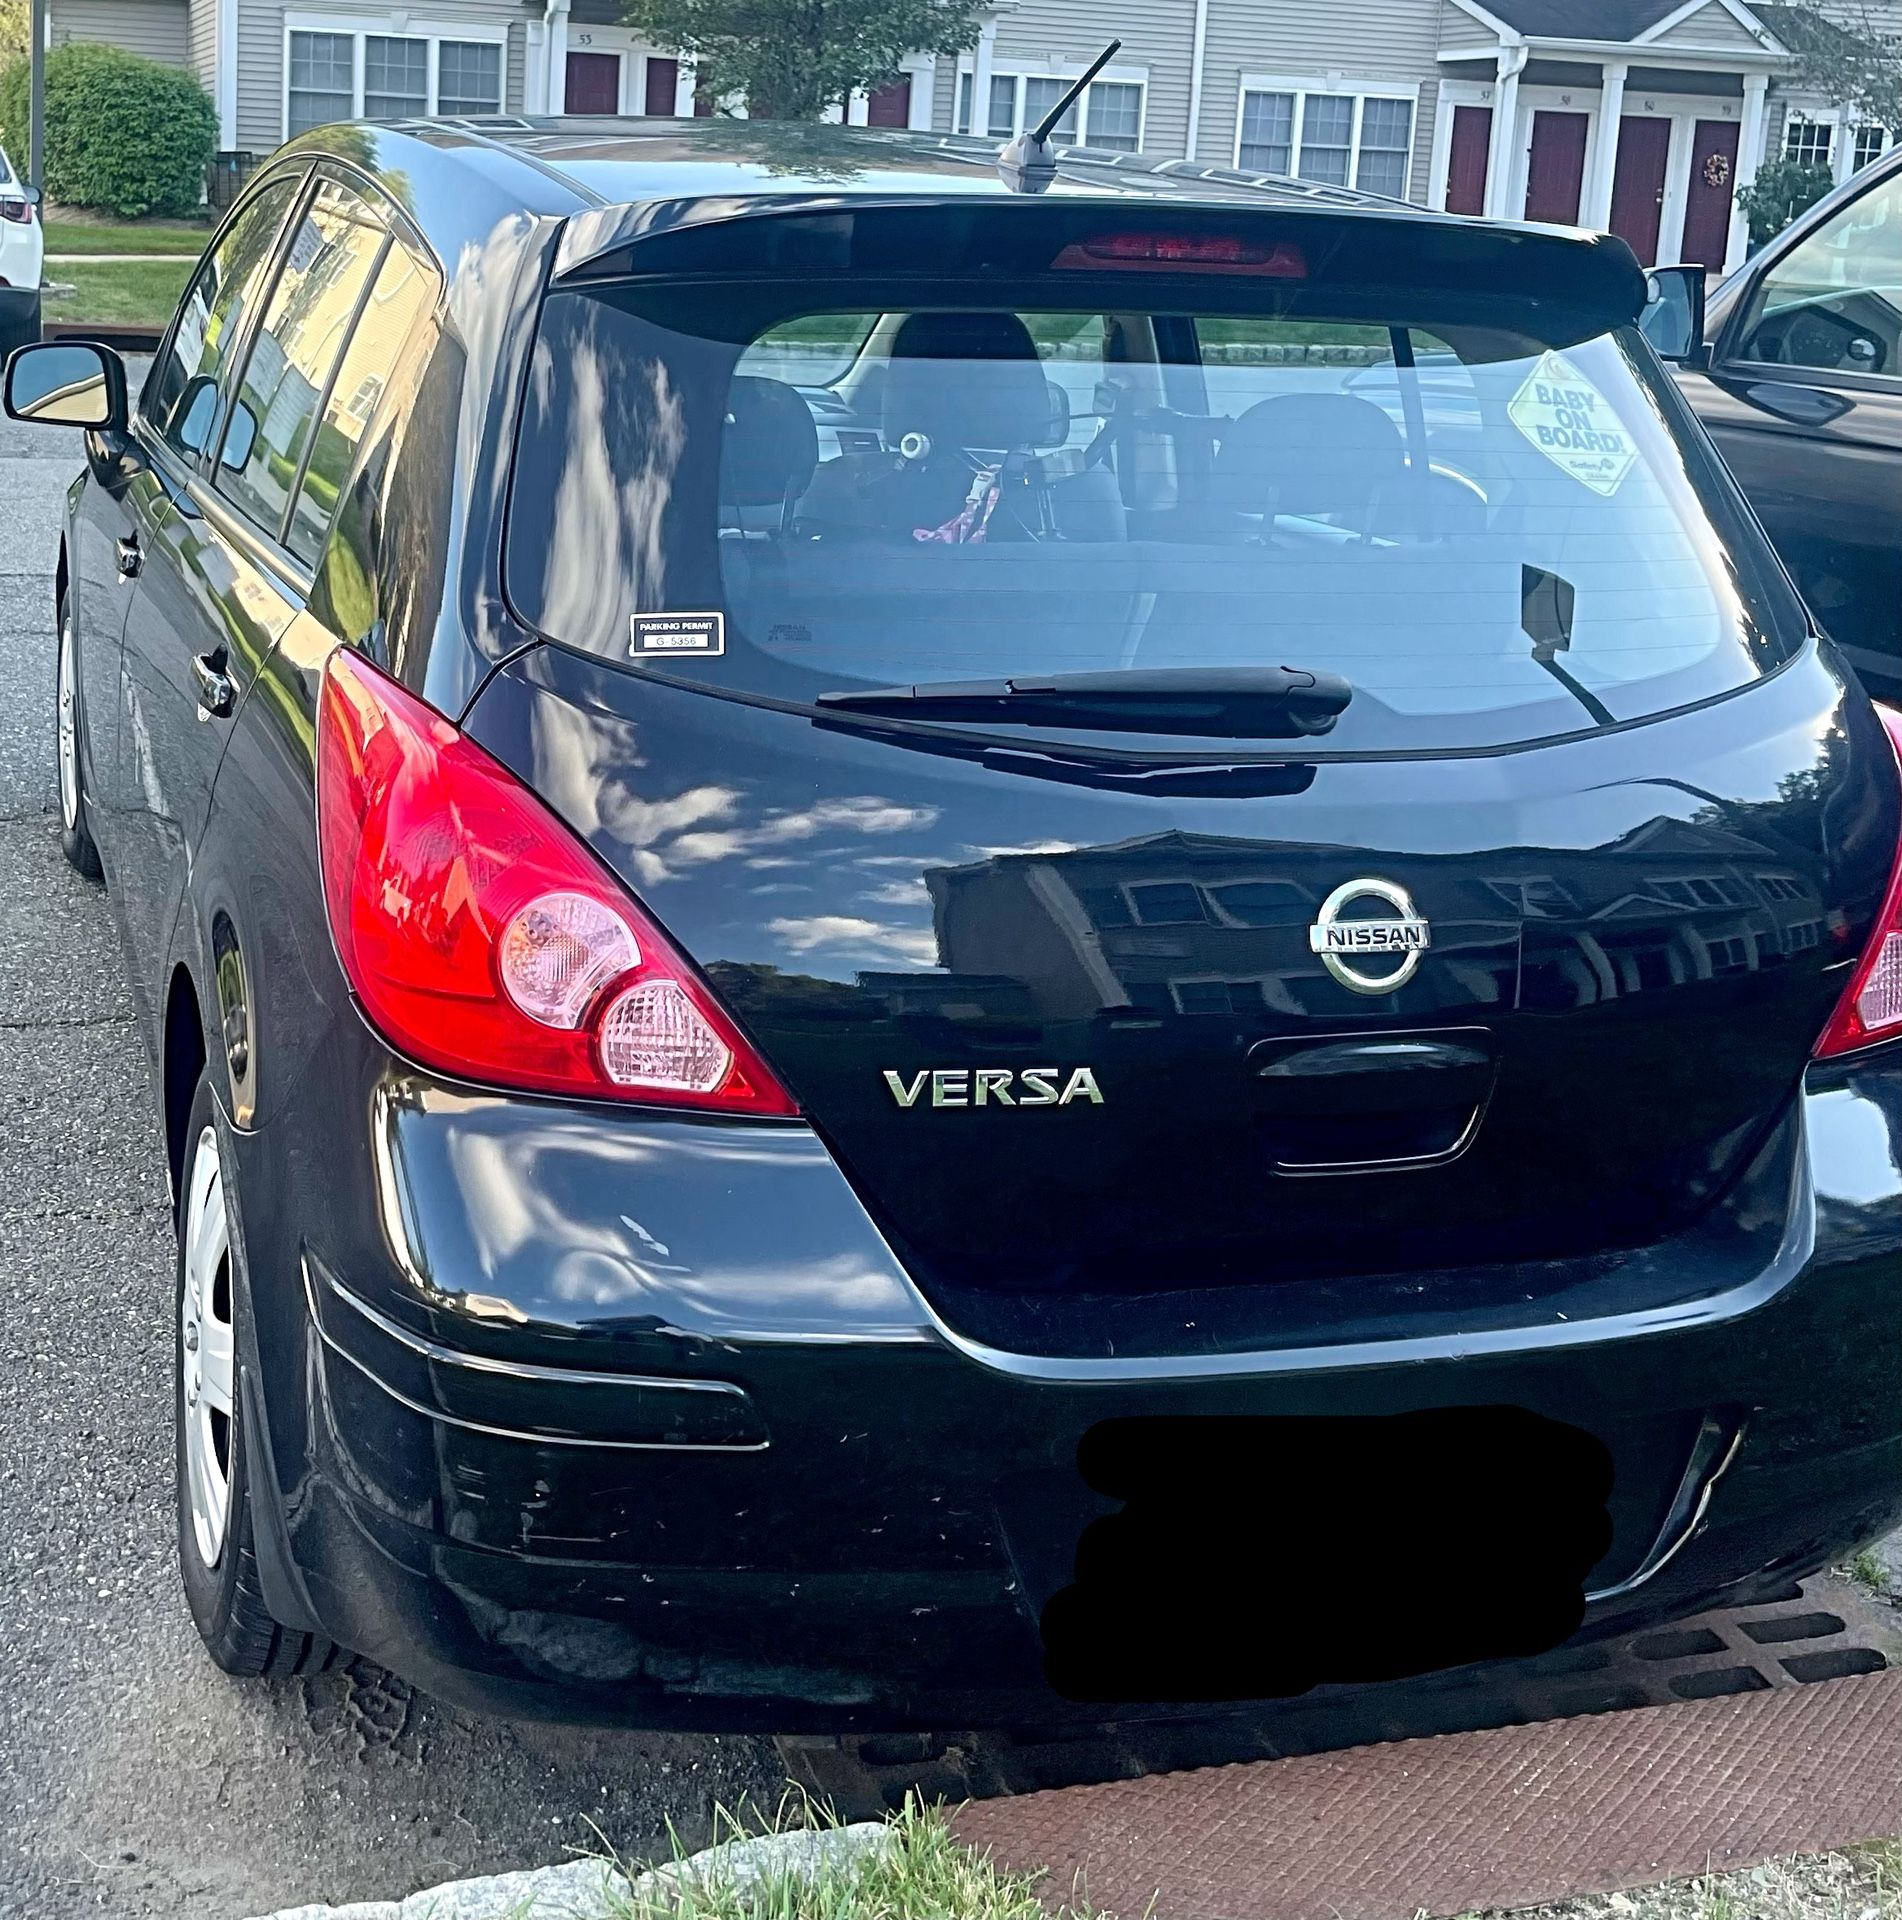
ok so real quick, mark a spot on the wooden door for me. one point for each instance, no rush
(1466, 159)
(1637, 190)
(1713, 189)
(1555, 179)
(890, 106)
(661, 86)
(594, 83)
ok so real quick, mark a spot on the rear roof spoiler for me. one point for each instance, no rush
(1594, 280)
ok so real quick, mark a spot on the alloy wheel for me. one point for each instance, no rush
(207, 1370)
(68, 731)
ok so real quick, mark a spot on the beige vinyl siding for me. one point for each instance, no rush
(155, 29)
(1460, 31)
(261, 51)
(1047, 36)
(1323, 46)
(201, 43)
(1711, 26)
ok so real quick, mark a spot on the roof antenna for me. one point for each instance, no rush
(1026, 164)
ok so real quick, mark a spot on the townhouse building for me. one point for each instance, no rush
(1644, 116)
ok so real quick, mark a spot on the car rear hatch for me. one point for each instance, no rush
(1297, 769)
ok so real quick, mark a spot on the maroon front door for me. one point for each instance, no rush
(1713, 186)
(1556, 176)
(1466, 162)
(661, 87)
(594, 83)
(890, 106)
(1637, 187)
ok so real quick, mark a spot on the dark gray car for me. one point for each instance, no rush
(1802, 389)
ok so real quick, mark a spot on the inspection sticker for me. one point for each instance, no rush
(676, 633)
(1573, 425)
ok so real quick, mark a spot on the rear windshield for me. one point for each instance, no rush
(1493, 538)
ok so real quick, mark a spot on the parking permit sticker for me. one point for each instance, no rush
(1573, 425)
(676, 633)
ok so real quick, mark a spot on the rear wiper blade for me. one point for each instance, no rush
(1235, 703)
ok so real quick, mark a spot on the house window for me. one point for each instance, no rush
(395, 77)
(1334, 138)
(469, 77)
(1808, 142)
(1267, 142)
(323, 80)
(1871, 144)
(336, 73)
(1116, 115)
(1111, 111)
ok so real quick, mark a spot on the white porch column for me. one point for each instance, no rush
(1842, 150)
(981, 79)
(1611, 114)
(686, 79)
(1750, 142)
(558, 56)
(535, 69)
(1501, 167)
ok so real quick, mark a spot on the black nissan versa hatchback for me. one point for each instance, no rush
(905, 937)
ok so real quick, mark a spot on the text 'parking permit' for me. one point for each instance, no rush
(674, 633)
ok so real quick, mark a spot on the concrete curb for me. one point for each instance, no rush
(593, 1890)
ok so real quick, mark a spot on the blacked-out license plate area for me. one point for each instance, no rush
(1257, 1558)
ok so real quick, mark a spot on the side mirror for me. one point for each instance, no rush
(241, 435)
(67, 383)
(34, 196)
(1673, 318)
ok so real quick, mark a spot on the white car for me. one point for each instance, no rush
(22, 253)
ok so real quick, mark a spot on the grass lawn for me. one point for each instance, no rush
(128, 293)
(76, 233)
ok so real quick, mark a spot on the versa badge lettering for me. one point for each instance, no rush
(994, 1086)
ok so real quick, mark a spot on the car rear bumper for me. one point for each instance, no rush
(640, 1420)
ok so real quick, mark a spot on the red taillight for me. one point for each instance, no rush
(484, 939)
(1871, 1010)
(1195, 252)
(20, 212)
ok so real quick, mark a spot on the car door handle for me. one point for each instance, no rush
(130, 558)
(1801, 406)
(216, 693)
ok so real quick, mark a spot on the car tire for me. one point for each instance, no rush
(217, 1554)
(26, 333)
(75, 831)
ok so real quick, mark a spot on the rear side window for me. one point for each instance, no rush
(403, 291)
(181, 395)
(332, 259)
(1493, 536)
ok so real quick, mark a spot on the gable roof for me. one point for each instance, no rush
(1588, 19)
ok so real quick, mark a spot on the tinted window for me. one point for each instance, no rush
(181, 398)
(1494, 539)
(403, 292)
(1834, 301)
(299, 341)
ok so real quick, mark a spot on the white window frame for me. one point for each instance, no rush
(1066, 73)
(1335, 84)
(360, 27)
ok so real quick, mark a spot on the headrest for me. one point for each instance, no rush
(770, 447)
(1312, 453)
(967, 380)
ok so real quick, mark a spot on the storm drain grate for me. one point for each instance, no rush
(1466, 1822)
(1823, 1630)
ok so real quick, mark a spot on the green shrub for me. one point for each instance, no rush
(125, 135)
(1781, 190)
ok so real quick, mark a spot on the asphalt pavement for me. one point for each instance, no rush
(135, 1780)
